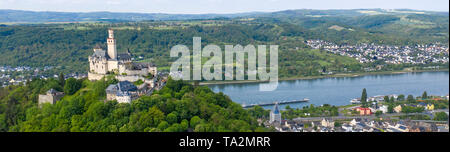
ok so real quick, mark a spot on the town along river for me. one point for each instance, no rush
(338, 91)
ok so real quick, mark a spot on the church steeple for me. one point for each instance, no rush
(112, 52)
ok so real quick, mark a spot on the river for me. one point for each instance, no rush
(339, 91)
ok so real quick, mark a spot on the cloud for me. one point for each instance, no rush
(113, 3)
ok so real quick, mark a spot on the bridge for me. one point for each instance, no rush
(276, 102)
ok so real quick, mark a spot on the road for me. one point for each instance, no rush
(366, 117)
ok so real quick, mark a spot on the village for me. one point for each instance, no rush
(21, 74)
(399, 115)
(361, 125)
(365, 53)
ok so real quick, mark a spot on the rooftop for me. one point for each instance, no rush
(124, 56)
(52, 91)
(126, 86)
(276, 110)
(99, 53)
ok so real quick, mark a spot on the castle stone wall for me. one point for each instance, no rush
(45, 99)
(131, 78)
(113, 65)
(93, 76)
(123, 99)
(98, 66)
(110, 96)
(48, 98)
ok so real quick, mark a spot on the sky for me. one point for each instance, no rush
(215, 6)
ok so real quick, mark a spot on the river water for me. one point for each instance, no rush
(339, 91)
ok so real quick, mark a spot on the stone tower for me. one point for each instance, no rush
(112, 52)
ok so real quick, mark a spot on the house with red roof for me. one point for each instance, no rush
(364, 111)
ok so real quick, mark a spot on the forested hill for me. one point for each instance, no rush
(48, 16)
(178, 107)
(41, 17)
(364, 23)
(68, 45)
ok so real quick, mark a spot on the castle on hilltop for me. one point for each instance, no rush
(102, 63)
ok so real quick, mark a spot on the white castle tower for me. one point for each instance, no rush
(112, 52)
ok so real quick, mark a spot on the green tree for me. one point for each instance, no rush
(163, 125)
(424, 95)
(3, 126)
(259, 112)
(287, 107)
(172, 118)
(364, 98)
(390, 108)
(195, 121)
(386, 99)
(62, 80)
(176, 127)
(440, 116)
(378, 113)
(156, 114)
(401, 97)
(184, 125)
(217, 119)
(410, 99)
(409, 109)
(71, 86)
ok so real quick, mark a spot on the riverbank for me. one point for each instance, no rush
(338, 75)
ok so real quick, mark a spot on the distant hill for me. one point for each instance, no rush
(359, 24)
(40, 17)
(69, 44)
(44, 16)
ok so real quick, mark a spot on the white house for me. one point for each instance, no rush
(327, 123)
(383, 108)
